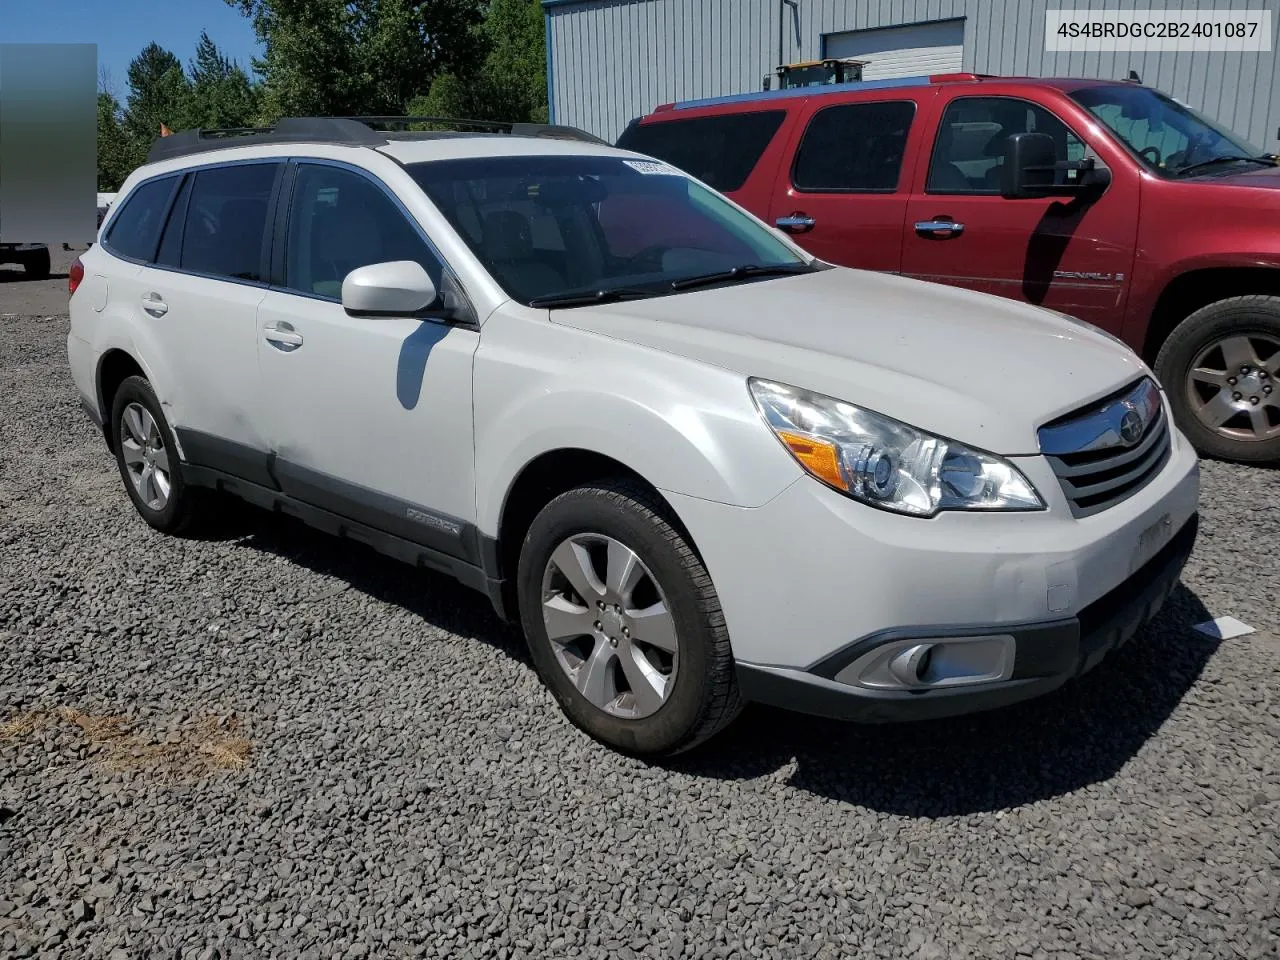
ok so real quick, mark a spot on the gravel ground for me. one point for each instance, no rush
(268, 744)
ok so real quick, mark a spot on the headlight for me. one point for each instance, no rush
(885, 463)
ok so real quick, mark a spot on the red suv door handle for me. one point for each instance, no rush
(796, 223)
(940, 228)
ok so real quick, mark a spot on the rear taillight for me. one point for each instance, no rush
(74, 276)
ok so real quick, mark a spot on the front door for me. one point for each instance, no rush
(844, 198)
(1059, 252)
(370, 416)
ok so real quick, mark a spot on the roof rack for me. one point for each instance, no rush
(350, 131)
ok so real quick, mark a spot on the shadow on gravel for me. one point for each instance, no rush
(435, 597)
(1080, 734)
(17, 276)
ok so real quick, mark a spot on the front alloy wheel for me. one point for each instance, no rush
(609, 625)
(623, 622)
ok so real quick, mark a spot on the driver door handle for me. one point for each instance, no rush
(282, 336)
(796, 223)
(942, 229)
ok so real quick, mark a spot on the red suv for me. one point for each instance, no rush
(1105, 200)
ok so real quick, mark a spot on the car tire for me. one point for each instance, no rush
(148, 460)
(667, 700)
(1221, 370)
(37, 266)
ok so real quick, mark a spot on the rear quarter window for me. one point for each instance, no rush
(135, 232)
(720, 151)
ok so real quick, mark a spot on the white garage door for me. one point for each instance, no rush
(921, 48)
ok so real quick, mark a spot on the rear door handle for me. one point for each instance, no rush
(796, 223)
(282, 336)
(154, 304)
(942, 229)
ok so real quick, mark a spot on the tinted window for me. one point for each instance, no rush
(340, 221)
(969, 152)
(555, 225)
(136, 228)
(719, 151)
(226, 224)
(170, 254)
(855, 146)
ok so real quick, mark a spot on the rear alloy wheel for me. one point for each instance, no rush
(623, 622)
(1221, 369)
(148, 461)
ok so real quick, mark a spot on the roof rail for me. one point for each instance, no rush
(511, 128)
(348, 131)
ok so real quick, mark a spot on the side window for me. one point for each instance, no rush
(136, 229)
(969, 151)
(340, 220)
(720, 151)
(854, 147)
(225, 231)
(170, 253)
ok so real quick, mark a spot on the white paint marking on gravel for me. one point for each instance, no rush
(1224, 628)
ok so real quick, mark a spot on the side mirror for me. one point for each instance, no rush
(1031, 166)
(400, 288)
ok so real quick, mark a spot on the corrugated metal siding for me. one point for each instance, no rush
(613, 60)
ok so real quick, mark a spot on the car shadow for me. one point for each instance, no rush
(17, 275)
(1083, 733)
(1080, 734)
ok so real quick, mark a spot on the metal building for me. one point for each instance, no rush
(611, 60)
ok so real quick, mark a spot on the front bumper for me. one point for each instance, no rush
(1046, 654)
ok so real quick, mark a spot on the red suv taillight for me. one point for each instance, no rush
(74, 276)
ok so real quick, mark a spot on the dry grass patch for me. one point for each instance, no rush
(209, 746)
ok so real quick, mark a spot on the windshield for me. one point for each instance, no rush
(553, 226)
(1166, 136)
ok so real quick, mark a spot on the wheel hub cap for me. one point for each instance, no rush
(1232, 388)
(609, 626)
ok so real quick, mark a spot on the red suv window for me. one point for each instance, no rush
(720, 151)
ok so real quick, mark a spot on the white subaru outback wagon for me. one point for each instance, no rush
(699, 466)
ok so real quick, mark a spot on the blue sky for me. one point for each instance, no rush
(121, 28)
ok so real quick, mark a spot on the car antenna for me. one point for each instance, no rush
(1133, 77)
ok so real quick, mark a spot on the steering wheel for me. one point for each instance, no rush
(650, 256)
(1155, 160)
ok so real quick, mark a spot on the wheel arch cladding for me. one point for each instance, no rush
(114, 368)
(1195, 289)
(553, 473)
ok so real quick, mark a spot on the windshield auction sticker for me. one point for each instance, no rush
(1191, 31)
(653, 168)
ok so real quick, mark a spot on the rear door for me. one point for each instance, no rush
(198, 301)
(843, 195)
(1059, 252)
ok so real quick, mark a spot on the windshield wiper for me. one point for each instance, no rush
(583, 298)
(1233, 158)
(742, 272)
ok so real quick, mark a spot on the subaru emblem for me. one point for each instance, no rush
(1131, 427)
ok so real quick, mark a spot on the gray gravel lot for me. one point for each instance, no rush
(324, 754)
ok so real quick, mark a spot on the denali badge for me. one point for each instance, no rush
(1088, 275)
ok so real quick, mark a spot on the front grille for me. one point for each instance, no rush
(1100, 456)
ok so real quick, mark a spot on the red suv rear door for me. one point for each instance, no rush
(843, 191)
(1062, 252)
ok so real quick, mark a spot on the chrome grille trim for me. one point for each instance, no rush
(1087, 450)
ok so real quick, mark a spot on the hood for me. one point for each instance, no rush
(975, 368)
